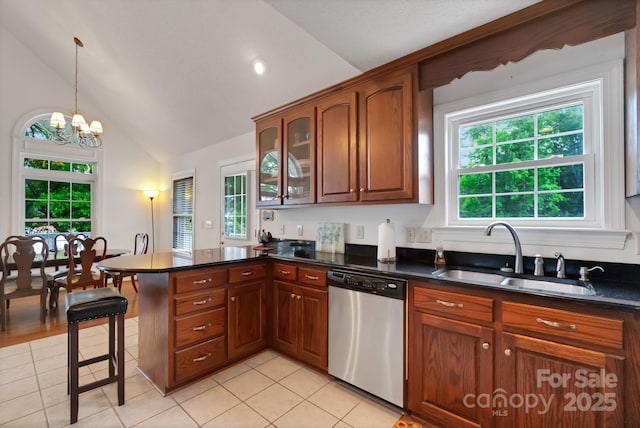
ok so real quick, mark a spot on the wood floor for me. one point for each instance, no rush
(23, 318)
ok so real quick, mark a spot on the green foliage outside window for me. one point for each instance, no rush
(510, 191)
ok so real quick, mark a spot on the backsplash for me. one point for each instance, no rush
(617, 272)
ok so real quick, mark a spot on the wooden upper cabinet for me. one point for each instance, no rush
(337, 148)
(387, 155)
(358, 144)
(286, 157)
(299, 159)
(269, 161)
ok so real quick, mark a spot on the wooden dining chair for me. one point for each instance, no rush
(22, 251)
(61, 250)
(140, 246)
(82, 254)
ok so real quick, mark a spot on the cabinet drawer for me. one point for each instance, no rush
(199, 359)
(446, 303)
(247, 272)
(285, 271)
(200, 279)
(202, 326)
(313, 277)
(198, 301)
(563, 324)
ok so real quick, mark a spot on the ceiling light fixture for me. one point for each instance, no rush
(80, 133)
(259, 67)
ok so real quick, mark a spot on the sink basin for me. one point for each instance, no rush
(469, 275)
(558, 287)
(523, 283)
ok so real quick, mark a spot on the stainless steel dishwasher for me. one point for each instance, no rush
(366, 332)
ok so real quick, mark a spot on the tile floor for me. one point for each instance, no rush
(268, 390)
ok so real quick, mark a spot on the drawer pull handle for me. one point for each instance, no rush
(204, 357)
(248, 273)
(557, 324)
(285, 272)
(312, 277)
(202, 302)
(449, 304)
(201, 327)
(202, 281)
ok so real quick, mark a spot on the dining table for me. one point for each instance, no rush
(60, 259)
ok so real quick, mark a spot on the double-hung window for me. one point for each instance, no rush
(531, 160)
(183, 213)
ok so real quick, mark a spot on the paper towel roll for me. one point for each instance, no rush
(386, 243)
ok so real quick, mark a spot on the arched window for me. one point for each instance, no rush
(56, 186)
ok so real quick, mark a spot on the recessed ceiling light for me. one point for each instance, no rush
(259, 67)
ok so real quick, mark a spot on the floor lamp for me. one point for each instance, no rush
(152, 194)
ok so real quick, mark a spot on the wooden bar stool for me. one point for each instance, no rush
(85, 305)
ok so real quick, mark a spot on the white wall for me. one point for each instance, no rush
(28, 85)
(206, 164)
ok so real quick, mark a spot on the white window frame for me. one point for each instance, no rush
(610, 232)
(588, 94)
(243, 164)
(175, 177)
(28, 147)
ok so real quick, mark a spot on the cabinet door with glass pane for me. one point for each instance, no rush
(298, 164)
(269, 161)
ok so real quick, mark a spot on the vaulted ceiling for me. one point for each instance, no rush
(176, 75)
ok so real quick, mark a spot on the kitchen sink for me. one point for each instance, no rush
(469, 275)
(523, 283)
(558, 287)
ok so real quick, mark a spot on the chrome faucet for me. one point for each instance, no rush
(560, 267)
(516, 242)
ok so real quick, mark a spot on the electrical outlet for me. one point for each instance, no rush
(282, 229)
(299, 229)
(410, 234)
(359, 231)
(423, 234)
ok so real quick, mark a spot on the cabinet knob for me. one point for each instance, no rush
(485, 345)
(298, 297)
(352, 190)
(507, 352)
(293, 295)
(233, 298)
(362, 189)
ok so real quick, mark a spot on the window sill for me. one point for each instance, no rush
(553, 237)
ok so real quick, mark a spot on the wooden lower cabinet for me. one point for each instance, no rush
(300, 313)
(198, 324)
(524, 364)
(558, 385)
(452, 364)
(246, 308)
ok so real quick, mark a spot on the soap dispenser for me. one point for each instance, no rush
(440, 261)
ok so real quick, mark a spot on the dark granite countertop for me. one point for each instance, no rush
(613, 293)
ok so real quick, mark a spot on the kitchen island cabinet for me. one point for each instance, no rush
(489, 359)
(247, 309)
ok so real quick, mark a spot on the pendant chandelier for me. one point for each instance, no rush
(81, 134)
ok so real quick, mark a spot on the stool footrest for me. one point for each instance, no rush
(93, 360)
(97, 384)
